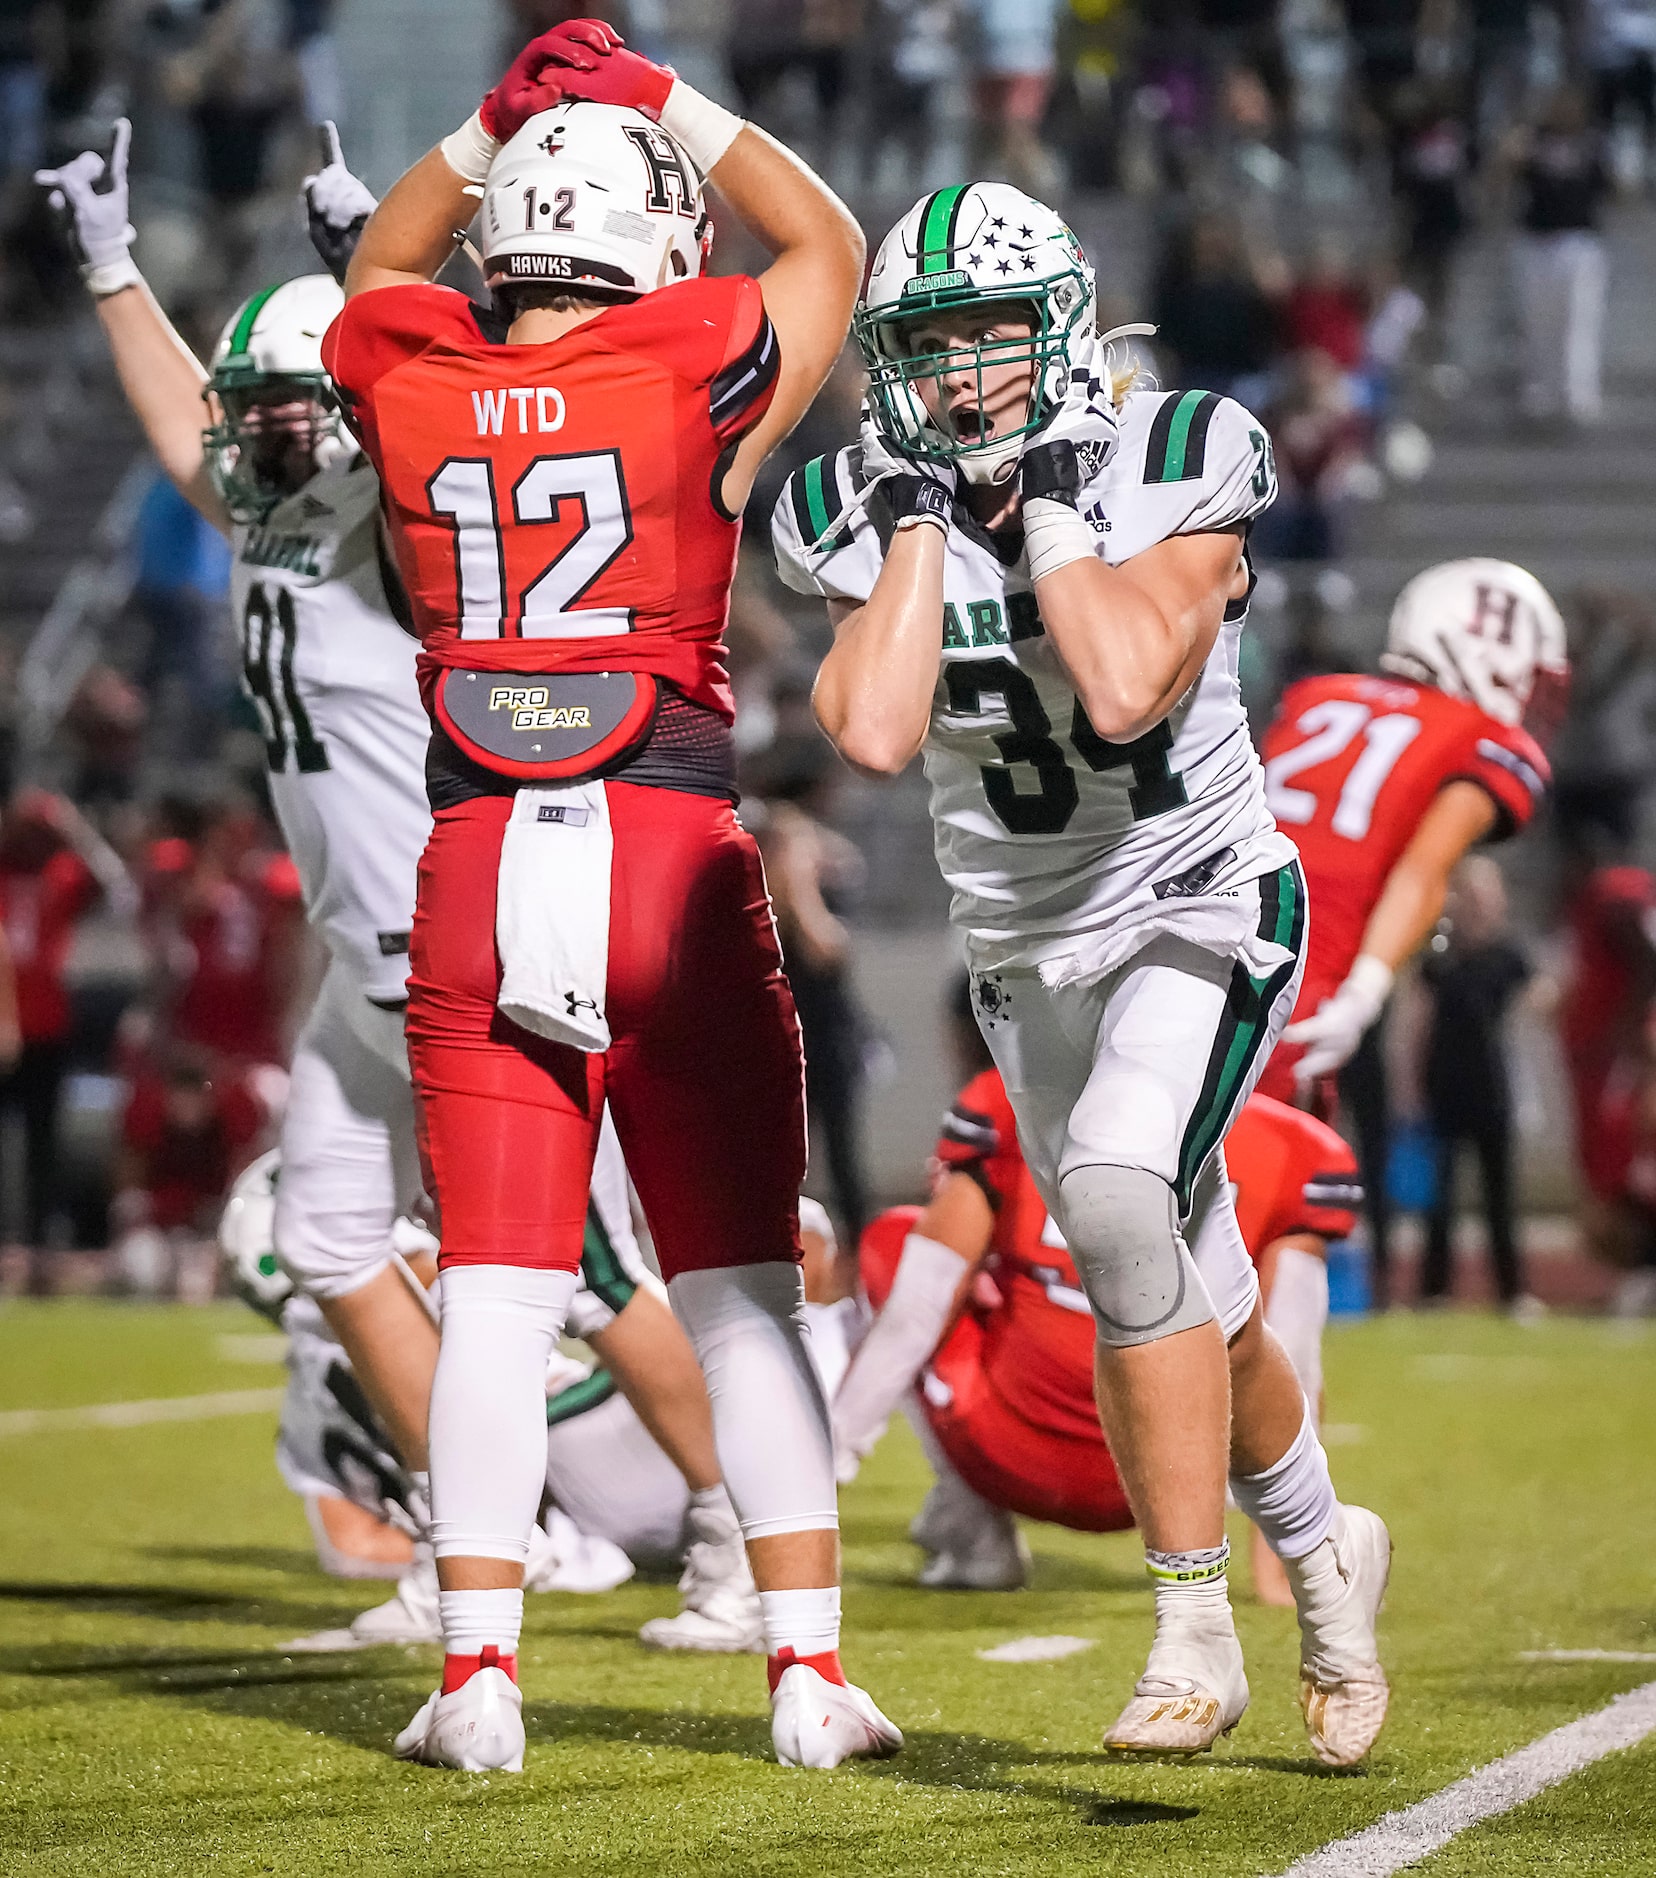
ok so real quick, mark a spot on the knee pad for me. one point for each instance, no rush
(1123, 1232)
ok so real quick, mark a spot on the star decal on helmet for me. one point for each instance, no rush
(974, 260)
(989, 241)
(1003, 267)
(997, 221)
(1029, 263)
(1026, 234)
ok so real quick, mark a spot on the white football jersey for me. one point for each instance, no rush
(1044, 831)
(332, 675)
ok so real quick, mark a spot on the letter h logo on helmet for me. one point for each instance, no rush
(671, 184)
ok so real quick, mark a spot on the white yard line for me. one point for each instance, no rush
(172, 1408)
(1587, 1656)
(1036, 1649)
(1400, 1839)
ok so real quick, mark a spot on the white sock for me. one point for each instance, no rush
(488, 1407)
(472, 1620)
(770, 1422)
(806, 1622)
(1297, 1311)
(1292, 1502)
(1191, 1586)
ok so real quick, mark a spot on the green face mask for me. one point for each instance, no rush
(256, 462)
(894, 373)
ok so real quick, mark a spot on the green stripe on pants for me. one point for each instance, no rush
(1244, 1027)
(601, 1270)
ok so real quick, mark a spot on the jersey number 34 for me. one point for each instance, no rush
(1155, 788)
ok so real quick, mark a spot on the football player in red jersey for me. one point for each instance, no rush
(563, 479)
(979, 1303)
(1385, 782)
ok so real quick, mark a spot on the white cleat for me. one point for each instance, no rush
(1338, 1590)
(818, 1723)
(995, 1558)
(721, 1605)
(974, 1546)
(478, 1729)
(408, 1616)
(563, 1558)
(1193, 1689)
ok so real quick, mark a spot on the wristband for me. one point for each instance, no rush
(917, 499)
(1051, 472)
(470, 150)
(707, 130)
(109, 277)
(1054, 536)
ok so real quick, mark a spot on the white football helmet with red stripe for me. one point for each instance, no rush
(1486, 631)
(595, 198)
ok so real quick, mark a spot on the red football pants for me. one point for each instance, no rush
(1012, 1463)
(704, 1077)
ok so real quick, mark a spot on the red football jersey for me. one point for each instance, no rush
(225, 939)
(1351, 765)
(1612, 935)
(554, 507)
(41, 908)
(1291, 1174)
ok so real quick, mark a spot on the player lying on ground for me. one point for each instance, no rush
(1037, 575)
(628, 1443)
(984, 1334)
(562, 483)
(256, 445)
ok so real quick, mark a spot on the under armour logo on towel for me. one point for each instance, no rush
(579, 1004)
(569, 815)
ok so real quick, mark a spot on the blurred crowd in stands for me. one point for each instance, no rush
(1287, 188)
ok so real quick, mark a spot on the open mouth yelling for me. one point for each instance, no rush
(970, 424)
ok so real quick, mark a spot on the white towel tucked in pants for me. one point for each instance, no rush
(552, 909)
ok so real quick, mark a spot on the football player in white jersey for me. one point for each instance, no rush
(1037, 575)
(345, 735)
(333, 676)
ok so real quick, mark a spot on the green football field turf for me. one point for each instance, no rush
(150, 1724)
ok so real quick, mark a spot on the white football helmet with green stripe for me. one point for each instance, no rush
(974, 245)
(280, 418)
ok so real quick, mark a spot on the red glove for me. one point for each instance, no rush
(534, 81)
(622, 78)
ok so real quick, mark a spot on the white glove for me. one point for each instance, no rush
(1330, 1036)
(89, 196)
(337, 204)
(848, 1455)
(916, 489)
(1085, 417)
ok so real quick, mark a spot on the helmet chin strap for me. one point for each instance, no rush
(992, 466)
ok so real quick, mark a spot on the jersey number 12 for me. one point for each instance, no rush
(463, 493)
